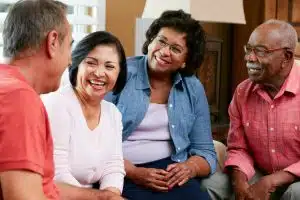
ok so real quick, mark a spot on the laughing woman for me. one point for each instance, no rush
(87, 130)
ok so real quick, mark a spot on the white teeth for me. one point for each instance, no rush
(254, 70)
(97, 83)
(253, 65)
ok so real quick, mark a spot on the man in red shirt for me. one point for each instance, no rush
(37, 44)
(264, 133)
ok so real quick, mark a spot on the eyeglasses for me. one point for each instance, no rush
(260, 51)
(174, 48)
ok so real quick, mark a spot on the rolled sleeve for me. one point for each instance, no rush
(112, 180)
(293, 169)
(237, 151)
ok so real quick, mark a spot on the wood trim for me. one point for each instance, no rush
(290, 10)
(283, 10)
(294, 12)
(270, 9)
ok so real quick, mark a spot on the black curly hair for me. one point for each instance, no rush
(195, 38)
(87, 44)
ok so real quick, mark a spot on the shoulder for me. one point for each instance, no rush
(133, 63)
(20, 96)
(61, 97)
(110, 108)
(194, 86)
(244, 88)
(134, 60)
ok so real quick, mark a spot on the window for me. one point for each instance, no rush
(85, 16)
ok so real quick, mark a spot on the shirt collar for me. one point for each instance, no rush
(291, 84)
(142, 81)
(13, 70)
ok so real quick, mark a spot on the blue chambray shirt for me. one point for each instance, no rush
(188, 111)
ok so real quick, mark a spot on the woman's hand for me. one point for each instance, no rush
(179, 174)
(151, 178)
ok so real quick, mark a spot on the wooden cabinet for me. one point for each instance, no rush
(209, 75)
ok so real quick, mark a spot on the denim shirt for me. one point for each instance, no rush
(188, 111)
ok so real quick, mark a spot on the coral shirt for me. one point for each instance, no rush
(25, 139)
(265, 132)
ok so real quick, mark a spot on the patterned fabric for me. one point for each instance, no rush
(265, 132)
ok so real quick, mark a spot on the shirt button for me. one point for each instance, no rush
(170, 105)
(178, 148)
(273, 150)
(296, 127)
(272, 106)
(271, 129)
(178, 160)
(173, 126)
(247, 124)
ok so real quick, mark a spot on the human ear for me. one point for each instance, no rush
(288, 55)
(52, 43)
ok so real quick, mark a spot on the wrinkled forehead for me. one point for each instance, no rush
(266, 35)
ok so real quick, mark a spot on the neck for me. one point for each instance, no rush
(159, 79)
(86, 101)
(30, 72)
(273, 87)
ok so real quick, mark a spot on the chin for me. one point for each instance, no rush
(255, 79)
(49, 89)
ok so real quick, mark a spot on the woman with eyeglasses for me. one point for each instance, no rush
(167, 141)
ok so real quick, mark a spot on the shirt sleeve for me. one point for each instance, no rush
(237, 150)
(200, 136)
(60, 123)
(113, 173)
(22, 132)
(294, 169)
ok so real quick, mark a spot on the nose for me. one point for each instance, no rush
(100, 71)
(165, 51)
(251, 56)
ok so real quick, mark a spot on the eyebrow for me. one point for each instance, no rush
(177, 45)
(260, 45)
(95, 59)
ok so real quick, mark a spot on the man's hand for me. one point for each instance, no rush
(241, 190)
(109, 195)
(178, 174)
(151, 178)
(262, 189)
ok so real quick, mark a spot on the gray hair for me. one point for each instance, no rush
(27, 24)
(287, 31)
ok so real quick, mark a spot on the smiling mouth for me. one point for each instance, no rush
(254, 70)
(161, 60)
(97, 84)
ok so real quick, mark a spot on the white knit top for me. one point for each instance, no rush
(83, 156)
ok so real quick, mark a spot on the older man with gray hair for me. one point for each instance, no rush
(263, 157)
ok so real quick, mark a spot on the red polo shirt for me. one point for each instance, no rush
(25, 139)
